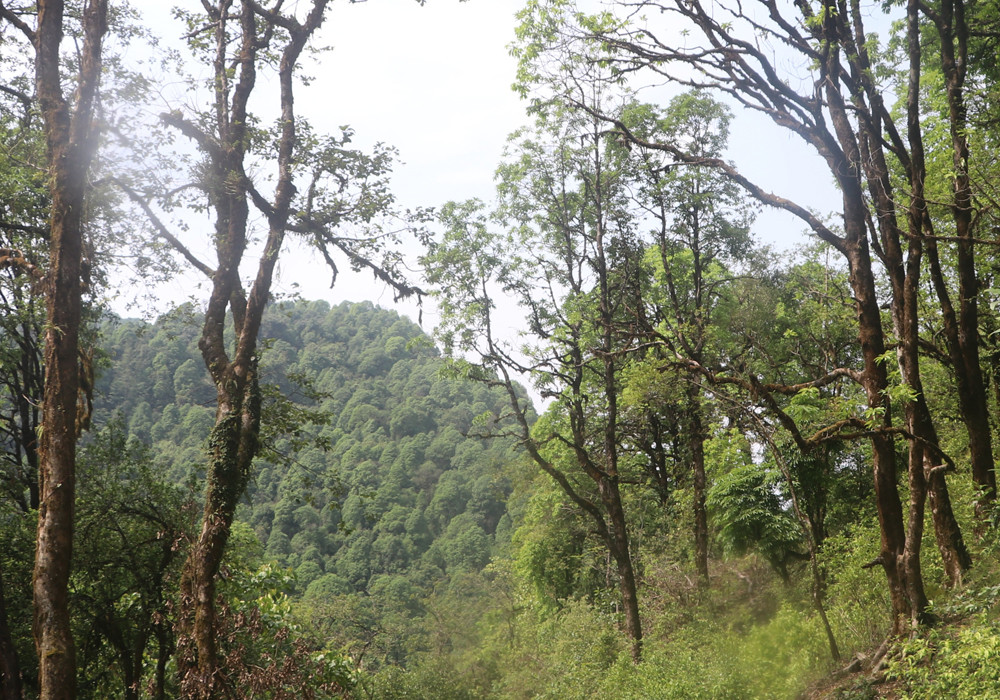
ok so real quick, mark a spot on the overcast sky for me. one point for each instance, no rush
(434, 81)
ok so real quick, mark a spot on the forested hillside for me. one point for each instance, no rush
(369, 484)
(426, 559)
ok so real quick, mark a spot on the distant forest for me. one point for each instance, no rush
(368, 482)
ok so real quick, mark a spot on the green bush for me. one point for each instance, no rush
(857, 599)
(955, 663)
(688, 668)
(779, 658)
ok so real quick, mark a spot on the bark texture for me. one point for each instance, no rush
(70, 134)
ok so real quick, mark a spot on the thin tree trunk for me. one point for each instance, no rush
(809, 530)
(910, 559)
(961, 334)
(696, 453)
(164, 650)
(963, 341)
(931, 484)
(924, 442)
(618, 544)
(32, 386)
(608, 481)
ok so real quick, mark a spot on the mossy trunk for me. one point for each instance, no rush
(232, 447)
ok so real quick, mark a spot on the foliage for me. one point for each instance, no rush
(958, 658)
(131, 533)
(369, 490)
(711, 411)
(748, 513)
(958, 662)
(265, 651)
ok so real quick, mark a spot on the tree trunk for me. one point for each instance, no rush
(924, 445)
(930, 483)
(69, 140)
(901, 579)
(696, 453)
(618, 545)
(961, 334)
(910, 560)
(57, 482)
(31, 388)
(164, 650)
(233, 445)
(954, 554)
(899, 553)
(963, 337)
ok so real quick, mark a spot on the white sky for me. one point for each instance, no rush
(434, 81)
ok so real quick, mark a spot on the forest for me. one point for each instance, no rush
(637, 451)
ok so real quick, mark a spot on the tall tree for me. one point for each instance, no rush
(70, 134)
(239, 39)
(951, 23)
(569, 259)
(23, 230)
(701, 226)
(843, 116)
(234, 440)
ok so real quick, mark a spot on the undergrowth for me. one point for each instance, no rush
(748, 635)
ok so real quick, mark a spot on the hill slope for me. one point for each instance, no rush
(367, 488)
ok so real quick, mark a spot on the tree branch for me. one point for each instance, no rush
(9, 15)
(162, 231)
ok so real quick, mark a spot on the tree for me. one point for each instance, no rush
(319, 185)
(70, 134)
(23, 228)
(949, 27)
(569, 259)
(131, 528)
(701, 227)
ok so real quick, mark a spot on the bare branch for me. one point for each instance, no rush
(12, 17)
(161, 229)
